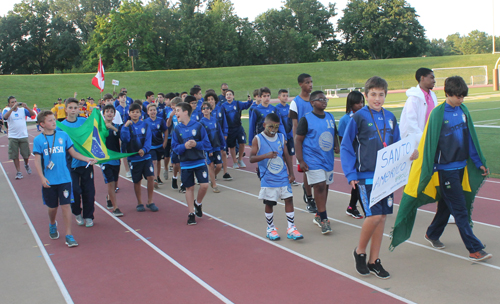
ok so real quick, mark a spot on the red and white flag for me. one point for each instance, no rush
(98, 80)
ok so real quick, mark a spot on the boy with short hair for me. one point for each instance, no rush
(196, 93)
(214, 131)
(50, 149)
(136, 137)
(371, 128)
(150, 98)
(268, 150)
(108, 99)
(159, 133)
(196, 114)
(282, 109)
(172, 122)
(190, 141)
(316, 141)
(257, 100)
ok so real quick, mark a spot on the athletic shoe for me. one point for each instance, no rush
(70, 241)
(451, 219)
(227, 177)
(170, 169)
(28, 169)
(294, 234)
(317, 220)
(216, 190)
(165, 174)
(241, 163)
(272, 235)
(89, 222)
(53, 233)
(140, 208)
(79, 220)
(191, 219)
(155, 184)
(435, 243)
(174, 184)
(152, 207)
(378, 270)
(160, 182)
(19, 175)
(361, 266)
(197, 209)
(311, 206)
(294, 183)
(305, 194)
(480, 255)
(325, 226)
(128, 174)
(116, 189)
(109, 204)
(235, 166)
(117, 212)
(353, 212)
(182, 189)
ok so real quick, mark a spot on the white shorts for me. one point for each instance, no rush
(275, 194)
(318, 176)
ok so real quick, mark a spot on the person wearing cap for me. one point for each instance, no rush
(60, 110)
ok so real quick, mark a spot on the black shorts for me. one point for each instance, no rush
(157, 154)
(168, 147)
(175, 159)
(56, 195)
(110, 173)
(290, 146)
(143, 168)
(187, 176)
(236, 136)
(383, 207)
(215, 158)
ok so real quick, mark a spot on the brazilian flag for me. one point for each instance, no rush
(423, 182)
(90, 138)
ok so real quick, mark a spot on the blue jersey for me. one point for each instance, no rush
(361, 141)
(343, 123)
(58, 143)
(75, 163)
(219, 113)
(317, 148)
(136, 137)
(113, 144)
(158, 128)
(282, 111)
(222, 98)
(303, 107)
(174, 123)
(194, 157)
(214, 133)
(129, 101)
(196, 115)
(250, 110)
(273, 171)
(233, 112)
(123, 112)
(255, 126)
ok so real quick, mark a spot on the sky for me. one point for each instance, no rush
(440, 18)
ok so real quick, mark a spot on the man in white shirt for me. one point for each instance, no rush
(15, 115)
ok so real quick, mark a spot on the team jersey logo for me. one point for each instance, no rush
(446, 121)
(325, 141)
(158, 126)
(143, 130)
(60, 141)
(204, 174)
(391, 124)
(218, 157)
(103, 168)
(234, 108)
(131, 166)
(275, 165)
(243, 137)
(370, 124)
(66, 193)
(389, 201)
(220, 114)
(293, 150)
(289, 188)
(197, 117)
(193, 132)
(151, 168)
(464, 118)
(330, 178)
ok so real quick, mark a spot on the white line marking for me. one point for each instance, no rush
(166, 256)
(40, 245)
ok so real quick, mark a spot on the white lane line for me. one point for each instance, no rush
(385, 234)
(166, 256)
(40, 245)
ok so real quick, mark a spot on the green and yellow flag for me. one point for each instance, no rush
(423, 182)
(90, 138)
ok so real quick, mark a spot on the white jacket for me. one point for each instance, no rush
(412, 119)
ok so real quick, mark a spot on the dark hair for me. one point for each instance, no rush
(190, 98)
(223, 84)
(138, 101)
(107, 107)
(206, 103)
(315, 94)
(213, 94)
(185, 107)
(194, 91)
(265, 90)
(209, 90)
(10, 97)
(196, 86)
(135, 106)
(183, 93)
(353, 98)
(70, 100)
(302, 77)
(161, 94)
(376, 82)
(272, 117)
(107, 96)
(41, 116)
(170, 96)
(149, 93)
(256, 92)
(455, 86)
(229, 90)
(122, 94)
(422, 72)
(282, 91)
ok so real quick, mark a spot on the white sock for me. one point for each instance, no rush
(290, 218)
(196, 202)
(270, 220)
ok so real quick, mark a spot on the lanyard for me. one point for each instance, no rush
(48, 144)
(376, 126)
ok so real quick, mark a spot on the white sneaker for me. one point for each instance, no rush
(89, 222)
(128, 174)
(451, 220)
(235, 166)
(79, 220)
(170, 168)
(165, 174)
(28, 169)
(242, 164)
(19, 175)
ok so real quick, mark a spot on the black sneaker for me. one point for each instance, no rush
(378, 270)
(117, 212)
(353, 212)
(109, 204)
(191, 219)
(174, 184)
(305, 194)
(197, 209)
(160, 182)
(435, 243)
(311, 206)
(182, 189)
(361, 266)
(227, 177)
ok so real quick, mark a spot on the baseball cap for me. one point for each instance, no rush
(59, 98)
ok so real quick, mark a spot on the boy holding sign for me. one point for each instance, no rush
(370, 129)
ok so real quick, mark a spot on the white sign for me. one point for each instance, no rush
(115, 82)
(392, 169)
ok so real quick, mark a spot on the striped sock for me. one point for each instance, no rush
(270, 220)
(290, 218)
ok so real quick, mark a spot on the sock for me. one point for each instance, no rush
(309, 197)
(290, 218)
(174, 177)
(196, 202)
(270, 220)
(323, 215)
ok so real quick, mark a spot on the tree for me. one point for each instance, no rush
(380, 29)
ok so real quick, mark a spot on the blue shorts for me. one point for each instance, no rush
(143, 168)
(168, 147)
(157, 154)
(187, 175)
(384, 206)
(235, 136)
(110, 173)
(56, 195)
(174, 159)
(290, 146)
(215, 158)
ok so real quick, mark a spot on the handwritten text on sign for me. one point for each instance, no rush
(392, 169)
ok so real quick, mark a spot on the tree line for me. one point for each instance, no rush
(47, 36)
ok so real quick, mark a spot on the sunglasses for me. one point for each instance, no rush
(225, 90)
(321, 99)
(206, 108)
